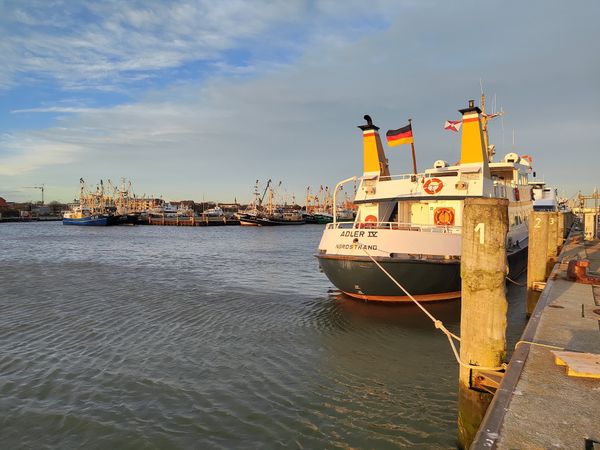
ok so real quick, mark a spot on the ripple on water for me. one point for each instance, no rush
(160, 337)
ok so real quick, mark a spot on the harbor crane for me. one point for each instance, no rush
(41, 188)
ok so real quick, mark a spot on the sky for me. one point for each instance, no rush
(199, 99)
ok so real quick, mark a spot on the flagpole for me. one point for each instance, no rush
(412, 146)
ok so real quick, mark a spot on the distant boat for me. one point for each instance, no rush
(166, 210)
(214, 216)
(214, 212)
(258, 215)
(323, 217)
(343, 215)
(544, 198)
(94, 209)
(83, 216)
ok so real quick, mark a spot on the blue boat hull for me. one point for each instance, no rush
(87, 221)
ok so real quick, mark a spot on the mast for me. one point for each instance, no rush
(307, 199)
(81, 192)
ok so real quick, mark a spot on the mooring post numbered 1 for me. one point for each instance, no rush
(484, 307)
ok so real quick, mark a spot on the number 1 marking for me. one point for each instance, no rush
(481, 228)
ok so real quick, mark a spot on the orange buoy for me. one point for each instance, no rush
(433, 186)
(443, 216)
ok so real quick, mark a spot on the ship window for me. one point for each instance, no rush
(443, 174)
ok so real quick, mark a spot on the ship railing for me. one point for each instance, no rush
(402, 176)
(394, 226)
(413, 177)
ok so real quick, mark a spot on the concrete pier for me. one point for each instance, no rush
(537, 404)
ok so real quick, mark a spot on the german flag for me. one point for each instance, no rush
(400, 136)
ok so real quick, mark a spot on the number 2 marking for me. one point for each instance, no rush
(481, 228)
(538, 221)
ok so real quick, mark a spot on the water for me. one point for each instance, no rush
(225, 337)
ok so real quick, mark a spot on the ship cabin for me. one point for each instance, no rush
(433, 200)
(544, 198)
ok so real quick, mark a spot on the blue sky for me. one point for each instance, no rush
(198, 99)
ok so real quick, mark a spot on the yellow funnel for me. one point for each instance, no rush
(374, 156)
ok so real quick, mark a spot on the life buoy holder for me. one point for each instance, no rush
(517, 194)
(370, 222)
(443, 216)
(433, 186)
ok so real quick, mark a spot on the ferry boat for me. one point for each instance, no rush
(411, 224)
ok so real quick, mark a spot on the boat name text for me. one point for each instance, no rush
(358, 234)
(354, 246)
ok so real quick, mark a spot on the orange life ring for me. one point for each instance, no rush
(370, 222)
(443, 216)
(528, 158)
(437, 186)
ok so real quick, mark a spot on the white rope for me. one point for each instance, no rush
(515, 282)
(437, 323)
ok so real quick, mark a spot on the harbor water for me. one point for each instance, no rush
(224, 337)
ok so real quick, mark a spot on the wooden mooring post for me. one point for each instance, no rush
(483, 305)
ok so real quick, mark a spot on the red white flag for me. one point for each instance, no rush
(452, 125)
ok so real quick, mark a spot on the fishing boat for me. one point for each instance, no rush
(411, 224)
(270, 215)
(94, 209)
(79, 215)
(319, 208)
(342, 215)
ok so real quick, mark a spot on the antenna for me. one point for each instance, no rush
(481, 85)
(502, 122)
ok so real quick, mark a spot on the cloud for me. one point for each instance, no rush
(53, 109)
(98, 45)
(295, 121)
(83, 44)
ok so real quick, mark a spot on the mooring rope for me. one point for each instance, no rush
(437, 323)
(515, 282)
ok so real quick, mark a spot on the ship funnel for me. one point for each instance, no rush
(473, 147)
(375, 162)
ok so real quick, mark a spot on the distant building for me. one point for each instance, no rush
(3, 203)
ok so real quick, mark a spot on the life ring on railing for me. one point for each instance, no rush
(527, 158)
(370, 222)
(443, 216)
(517, 194)
(433, 186)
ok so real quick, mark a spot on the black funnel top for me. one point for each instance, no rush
(369, 125)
